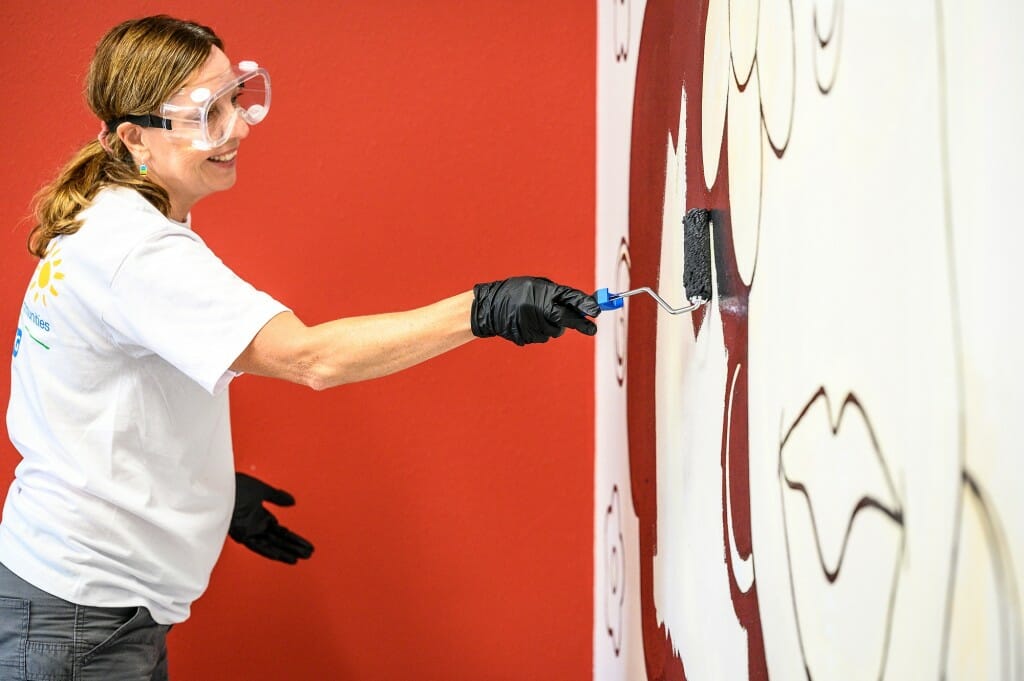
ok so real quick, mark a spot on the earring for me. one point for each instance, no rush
(143, 169)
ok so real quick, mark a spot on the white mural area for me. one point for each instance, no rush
(817, 476)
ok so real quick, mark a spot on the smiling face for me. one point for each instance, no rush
(187, 173)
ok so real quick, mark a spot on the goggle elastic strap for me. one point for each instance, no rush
(145, 120)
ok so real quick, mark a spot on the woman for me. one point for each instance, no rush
(129, 335)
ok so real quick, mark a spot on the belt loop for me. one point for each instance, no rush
(76, 648)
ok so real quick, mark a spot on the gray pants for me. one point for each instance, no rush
(44, 638)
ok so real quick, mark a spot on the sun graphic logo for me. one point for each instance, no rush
(47, 274)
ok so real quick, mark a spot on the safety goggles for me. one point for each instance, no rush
(204, 115)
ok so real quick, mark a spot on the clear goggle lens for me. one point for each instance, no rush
(208, 117)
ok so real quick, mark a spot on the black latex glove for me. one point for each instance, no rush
(530, 310)
(257, 528)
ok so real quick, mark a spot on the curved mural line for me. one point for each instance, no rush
(825, 44)
(779, 147)
(741, 83)
(742, 566)
(622, 266)
(824, 40)
(615, 570)
(1011, 658)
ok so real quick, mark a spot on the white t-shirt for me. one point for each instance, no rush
(119, 409)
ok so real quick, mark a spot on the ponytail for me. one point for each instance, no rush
(137, 65)
(57, 205)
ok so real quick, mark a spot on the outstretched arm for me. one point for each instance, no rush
(356, 348)
(521, 309)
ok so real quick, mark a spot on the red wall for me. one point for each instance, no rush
(414, 148)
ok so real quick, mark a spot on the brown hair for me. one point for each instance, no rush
(138, 65)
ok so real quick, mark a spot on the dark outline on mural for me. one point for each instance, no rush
(865, 503)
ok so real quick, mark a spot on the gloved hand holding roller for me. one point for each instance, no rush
(530, 310)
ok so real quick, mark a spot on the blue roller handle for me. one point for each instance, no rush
(608, 301)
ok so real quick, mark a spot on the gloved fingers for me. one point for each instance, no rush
(279, 497)
(530, 310)
(570, 318)
(583, 302)
(542, 328)
(287, 540)
(268, 549)
(552, 330)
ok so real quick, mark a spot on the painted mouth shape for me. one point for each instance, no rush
(844, 538)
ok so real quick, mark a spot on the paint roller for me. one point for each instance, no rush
(696, 268)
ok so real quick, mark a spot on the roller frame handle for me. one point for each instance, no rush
(608, 301)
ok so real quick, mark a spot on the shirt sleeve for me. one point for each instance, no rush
(174, 297)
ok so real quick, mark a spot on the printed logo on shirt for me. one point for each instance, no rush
(44, 281)
(38, 321)
(34, 318)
